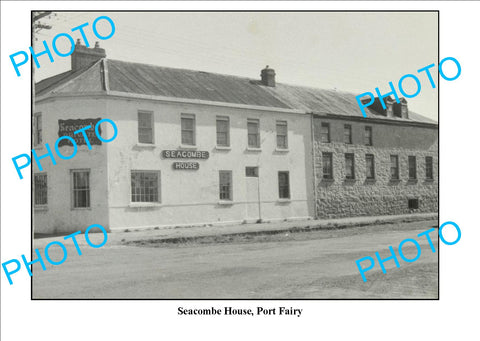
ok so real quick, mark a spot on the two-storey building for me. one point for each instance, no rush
(196, 148)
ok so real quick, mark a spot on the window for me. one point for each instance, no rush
(413, 204)
(223, 131)
(37, 126)
(370, 165)
(145, 127)
(394, 167)
(368, 136)
(349, 166)
(40, 188)
(251, 172)
(283, 185)
(188, 129)
(325, 132)
(327, 166)
(429, 167)
(282, 135)
(81, 188)
(253, 133)
(225, 185)
(145, 186)
(347, 134)
(412, 167)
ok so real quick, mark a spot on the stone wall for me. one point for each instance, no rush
(341, 197)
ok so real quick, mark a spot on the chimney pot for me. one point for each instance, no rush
(268, 76)
(83, 56)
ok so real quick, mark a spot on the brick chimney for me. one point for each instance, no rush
(83, 56)
(268, 76)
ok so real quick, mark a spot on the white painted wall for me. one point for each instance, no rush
(192, 196)
(58, 215)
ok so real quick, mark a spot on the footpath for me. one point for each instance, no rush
(185, 233)
(266, 227)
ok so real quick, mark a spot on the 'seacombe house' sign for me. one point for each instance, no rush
(185, 154)
(68, 127)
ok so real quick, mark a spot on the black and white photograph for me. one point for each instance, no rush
(238, 170)
(239, 164)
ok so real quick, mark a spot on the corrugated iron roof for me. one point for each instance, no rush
(144, 79)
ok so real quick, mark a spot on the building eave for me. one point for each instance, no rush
(376, 120)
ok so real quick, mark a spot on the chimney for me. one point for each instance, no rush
(401, 109)
(268, 76)
(83, 56)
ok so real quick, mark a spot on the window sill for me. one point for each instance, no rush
(254, 149)
(282, 150)
(225, 202)
(144, 204)
(284, 200)
(81, 208)
(38, 147)
(187, 147)
(41, 208)
(223, 148)
(327, 179)
(145, 145)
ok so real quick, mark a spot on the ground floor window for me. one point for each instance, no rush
(283, 185)
(81, 188)
(40, 189)
(349, 166)
(370, 163)
(225, 180)
(327, 165)
(429, 167)
(145, 186)
(412, 168)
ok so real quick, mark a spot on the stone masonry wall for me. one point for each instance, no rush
(341, 197)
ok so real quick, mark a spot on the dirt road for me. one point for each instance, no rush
(318, 264)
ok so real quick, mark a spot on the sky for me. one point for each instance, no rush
(347, 51)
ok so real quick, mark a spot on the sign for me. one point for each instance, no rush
(68, 127)
(186, 165)
(185, 154)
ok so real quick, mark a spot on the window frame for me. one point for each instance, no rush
(352, 168)
(368, 138)
(282, 123)
(35, 189)
(151, 128)
(72, 188)
(230, 185)
(37, 133)
(282, 187)
(322, 134)
(410, 168)
(159, 188)
(429, 167)
(347, 128)
(258, 142)
(193, 130)
(327, 176)
(227, 120)
(395, 166)
(372, 158)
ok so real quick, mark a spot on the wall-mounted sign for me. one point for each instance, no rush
(68, 127)
(186, 165)
(185, 154)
